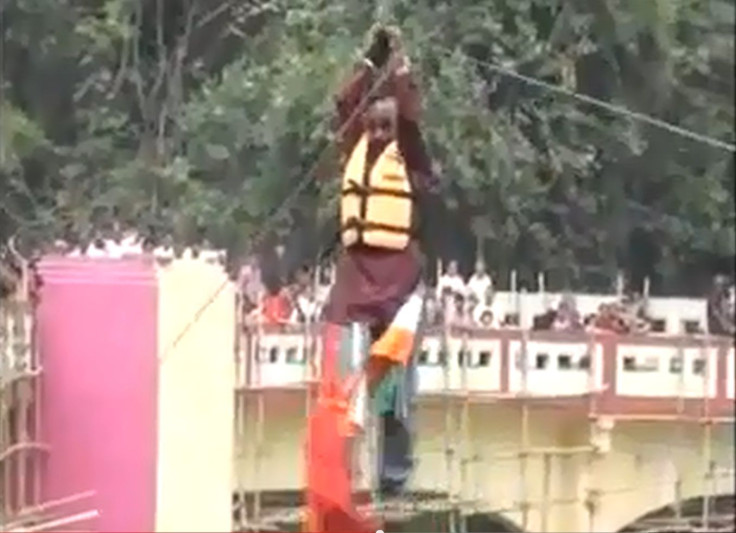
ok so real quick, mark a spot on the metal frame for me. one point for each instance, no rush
(21, 451)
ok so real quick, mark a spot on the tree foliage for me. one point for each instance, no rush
(200, 118)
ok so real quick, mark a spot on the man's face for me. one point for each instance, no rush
(303, 278)
(452, 268)
(480, 268)
(380, 121)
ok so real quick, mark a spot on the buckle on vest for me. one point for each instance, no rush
(353, 223)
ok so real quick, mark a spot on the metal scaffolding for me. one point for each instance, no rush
(459, 501)
(20, 449)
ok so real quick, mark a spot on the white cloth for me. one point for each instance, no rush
(452, 282)
(306, 308)
(400, 336)
(478, 285)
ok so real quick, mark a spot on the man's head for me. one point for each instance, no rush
(480, 267)
(380, 120)
(452, 268)
(303, 277)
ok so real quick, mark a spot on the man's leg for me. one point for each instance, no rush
(393, 401)
(395, 410)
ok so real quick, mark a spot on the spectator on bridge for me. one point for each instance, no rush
(609, 319)
(458, 313)
(306, 309)
(96, 248)
(163, 252)
(471, 303)
(633, 313)
(451, 280)
(131, 243)
(432, 311)
(59, 247)
(544, 321)
(249, 284)
(76, 246)
(567, 317)
(480, 282)
(719, 321)
(483, 316)
(276, 307)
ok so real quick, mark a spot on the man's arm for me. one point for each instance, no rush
(347, 100)
(426, 182)
(406, 92)
(353, 92)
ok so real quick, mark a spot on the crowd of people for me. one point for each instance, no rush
(627, 315)
(471, 304)
(118, 244)
(455, 301)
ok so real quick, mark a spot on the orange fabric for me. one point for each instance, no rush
(395, 345)
(329, 477)
(276, 308)
(329, 480)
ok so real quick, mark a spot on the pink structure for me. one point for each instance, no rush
(97, 333)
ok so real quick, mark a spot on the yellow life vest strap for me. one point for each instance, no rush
(362, 225)
(359, 189)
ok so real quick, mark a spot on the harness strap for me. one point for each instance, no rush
(361, 190)
(362, 225)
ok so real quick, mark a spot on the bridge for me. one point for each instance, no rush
(163, 412)
(543, 431)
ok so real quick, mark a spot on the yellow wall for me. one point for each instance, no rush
(640, 474)
(635, 477)
(195, 399)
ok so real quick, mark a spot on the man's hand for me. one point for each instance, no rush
(386, 49)
(398, 62)
(380, 48)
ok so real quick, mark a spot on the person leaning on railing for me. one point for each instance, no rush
(719, 322)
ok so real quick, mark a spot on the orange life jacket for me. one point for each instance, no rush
(377, 206)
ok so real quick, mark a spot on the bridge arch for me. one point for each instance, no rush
(692, 516)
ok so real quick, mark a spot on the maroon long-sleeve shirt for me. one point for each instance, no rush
(371, 283)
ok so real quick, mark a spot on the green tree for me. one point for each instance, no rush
(201, 118)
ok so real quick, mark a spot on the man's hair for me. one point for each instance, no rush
(384, 94)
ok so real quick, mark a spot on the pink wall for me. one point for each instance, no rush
(97, 323)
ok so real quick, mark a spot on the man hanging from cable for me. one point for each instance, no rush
(375, 307)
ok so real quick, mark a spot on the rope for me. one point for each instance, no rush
(616, 109)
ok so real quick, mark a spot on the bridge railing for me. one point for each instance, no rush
(633, 373)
